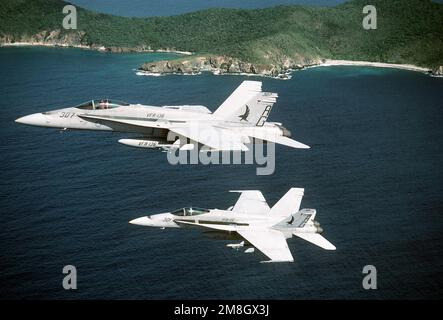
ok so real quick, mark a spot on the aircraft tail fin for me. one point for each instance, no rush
(298, 219)
(247, 104)
(288, 204)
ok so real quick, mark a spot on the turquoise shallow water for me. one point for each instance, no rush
(373, 174)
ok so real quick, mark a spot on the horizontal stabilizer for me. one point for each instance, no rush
(290, 143)
(316, 239)
(263, 135)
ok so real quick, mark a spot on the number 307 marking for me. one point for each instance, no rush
(67, 115)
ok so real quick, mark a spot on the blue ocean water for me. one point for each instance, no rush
(374, 174)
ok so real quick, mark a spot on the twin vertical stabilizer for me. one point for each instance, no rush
(247, 104)
(288, 204)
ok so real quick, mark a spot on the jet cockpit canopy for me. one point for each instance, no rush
(99, 104)
(189, 211)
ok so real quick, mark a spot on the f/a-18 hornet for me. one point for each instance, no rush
(240, 118)
(253, 221)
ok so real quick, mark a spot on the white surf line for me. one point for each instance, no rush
(101, 48)
(373, 64)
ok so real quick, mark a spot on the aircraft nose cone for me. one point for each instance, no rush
(36, 119)
(143, 221)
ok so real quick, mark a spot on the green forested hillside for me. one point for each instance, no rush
(409, 31)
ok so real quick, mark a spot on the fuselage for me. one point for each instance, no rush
(107, 115)
(226, 220)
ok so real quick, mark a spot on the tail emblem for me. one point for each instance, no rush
(244, 117)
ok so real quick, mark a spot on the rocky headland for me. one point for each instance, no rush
(220, 65)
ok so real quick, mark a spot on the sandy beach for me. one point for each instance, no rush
(40, 44)
(373, 64)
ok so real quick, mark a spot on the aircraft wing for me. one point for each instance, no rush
(214, 137)
(271, 243)
(251, 201)
(109, 120)
(214, 226)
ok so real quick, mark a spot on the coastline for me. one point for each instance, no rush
(288, 73)
(410, 67)
(284, 75)
(95, 48)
